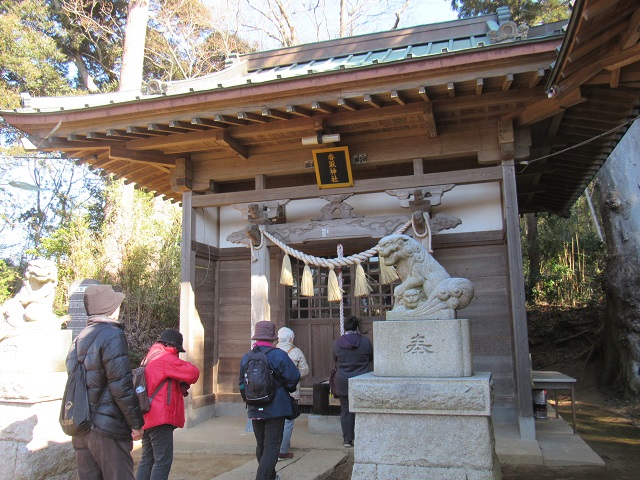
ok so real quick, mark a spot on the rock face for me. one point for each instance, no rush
(423, 412)
(32, 380)
(32, 445)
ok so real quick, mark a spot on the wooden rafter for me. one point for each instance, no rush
(276, 114)
(322, 107)
(632, 35)
(506, 83)
(296, 110)
(207, 123)
(397, 96)
(159, 127)
(154, 158)
(346, 104)
(374, 102)
(187, 126)
(252, 117)
(228, 119)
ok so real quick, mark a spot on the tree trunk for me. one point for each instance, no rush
(533, 253)
(134, 41)
(85, 76)
(618, 191)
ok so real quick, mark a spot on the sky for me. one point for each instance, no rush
(419, 12)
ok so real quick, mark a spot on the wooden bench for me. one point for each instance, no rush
(554, 381)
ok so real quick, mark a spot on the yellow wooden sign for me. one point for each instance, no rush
(333, 167)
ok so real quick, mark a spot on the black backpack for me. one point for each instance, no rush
(259, 383)
(75, 414)
(140, 384)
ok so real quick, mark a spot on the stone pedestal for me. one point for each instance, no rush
(32, 381)
(429, 348)
(427, 415)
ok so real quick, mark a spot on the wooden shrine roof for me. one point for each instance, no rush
(432, 85)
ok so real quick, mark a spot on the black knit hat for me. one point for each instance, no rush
(172, 338)
(101, 300)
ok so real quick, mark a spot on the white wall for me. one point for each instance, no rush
(478, 206)
(207, 228)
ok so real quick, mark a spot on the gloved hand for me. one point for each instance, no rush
(184, 386)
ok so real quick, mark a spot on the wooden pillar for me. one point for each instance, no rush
(190, 324)
(517, 306)
(260, 271)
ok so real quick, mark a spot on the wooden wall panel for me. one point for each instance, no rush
(491, 326)
(234, 319)
(205, 300)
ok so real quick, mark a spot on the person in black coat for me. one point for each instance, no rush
(353, 355)
(268, 420)
(105, 451)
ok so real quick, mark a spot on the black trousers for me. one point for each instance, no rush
(268, 435)
(100, 457)
(157, 453)
(347, 420)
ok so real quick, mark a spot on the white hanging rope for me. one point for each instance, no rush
(341, 298)
(328, 262)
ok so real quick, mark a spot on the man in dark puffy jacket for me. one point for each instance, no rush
(105, 451)
(268, 420)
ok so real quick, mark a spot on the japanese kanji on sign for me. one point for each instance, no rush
(333, 167)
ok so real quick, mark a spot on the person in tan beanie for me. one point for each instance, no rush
(105, 451)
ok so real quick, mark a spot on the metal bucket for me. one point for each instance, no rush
(540, 404)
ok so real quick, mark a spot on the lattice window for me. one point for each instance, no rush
(372, 307)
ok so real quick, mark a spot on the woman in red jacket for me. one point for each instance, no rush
(174, 377)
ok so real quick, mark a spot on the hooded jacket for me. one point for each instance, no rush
(298, 359)
(112, 398)
(167, 407)
(353, 354)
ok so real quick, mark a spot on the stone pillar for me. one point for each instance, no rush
(422, 412)
(77, 313)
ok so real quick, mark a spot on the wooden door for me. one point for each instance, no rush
(316, 321)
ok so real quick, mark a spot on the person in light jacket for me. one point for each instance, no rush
(285, 343)
(170, 377)
(353, 354)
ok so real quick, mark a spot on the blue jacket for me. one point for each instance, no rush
(287, 375)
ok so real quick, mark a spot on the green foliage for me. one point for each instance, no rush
(30, 60)
(571, 259)
(9, 280)
(136, 246)
(531, 12)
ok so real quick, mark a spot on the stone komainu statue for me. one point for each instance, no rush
(33, 305)
(426, 290)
